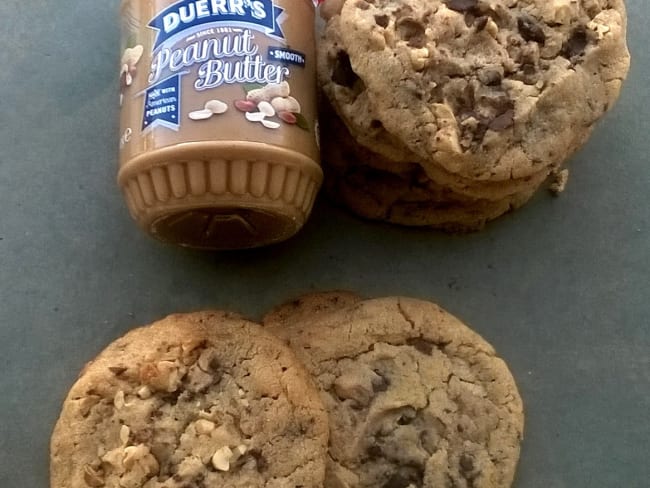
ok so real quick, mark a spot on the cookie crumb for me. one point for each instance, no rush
(560, 180)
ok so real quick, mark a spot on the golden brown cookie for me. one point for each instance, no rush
(202, 400)
(309, 307)
(416, 398)
(487, 90)
(345, 97)
(409, 197)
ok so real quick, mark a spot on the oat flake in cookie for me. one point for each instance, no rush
(416, 399)
(200, 400)
(488, 90)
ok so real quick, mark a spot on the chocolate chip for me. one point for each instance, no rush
(480, 24)
(412, 31)
(528, 69)
(529, 74)
(260, 461)
(466, 463)
(374, 452)
(380, 383)
(503, 121)
(117, 370)
(470, 18)
(405, 477)
(407, 417)
(461, 5)
(403, 11)
(382, 20)
(576, 43)
(376, 124)
(530, 29)
(468, 469)
(343, 74)
(490, 77)
(172, 398)
(499, 101)
(429, 440)
(422, 345)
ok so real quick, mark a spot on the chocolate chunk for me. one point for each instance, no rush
(421, 345)
(530, 29)
(576, 44)
(407, 417)
(468, 469)
(382, 20)
(412, 31)
(374, 452)
(343, 74)
(173, 397)
(405, 477)
(529, 74)
(376, 124)
(503, 121)
(380, 383)
(480, 24)
(260, 461)
(461, 5)
(490, 77)
(497, 100)
(466, 463)
(403, 11)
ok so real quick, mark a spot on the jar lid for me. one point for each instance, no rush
(206, 202)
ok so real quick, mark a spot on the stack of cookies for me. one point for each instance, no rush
(449, 113)
(331, 391)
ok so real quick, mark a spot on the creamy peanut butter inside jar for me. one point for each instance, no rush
(219, 130)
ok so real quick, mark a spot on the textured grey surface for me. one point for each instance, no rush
(561, 288)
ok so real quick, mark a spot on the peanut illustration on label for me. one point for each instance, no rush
(128, 70)
(211, 107)
(264, 103)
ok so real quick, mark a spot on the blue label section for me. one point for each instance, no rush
(186, 14)
(289, 56)
(162, 104)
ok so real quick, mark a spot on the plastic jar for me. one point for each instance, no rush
(219, 130)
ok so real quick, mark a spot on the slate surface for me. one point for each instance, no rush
(561, 288)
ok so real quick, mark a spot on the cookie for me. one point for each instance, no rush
(406, 198)
(309, 307)
(201, 400)
(347, 95)
(416, 399)
(488, 90)
(383, 196)
(346, 99)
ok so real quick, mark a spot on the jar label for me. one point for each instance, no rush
(206, 70)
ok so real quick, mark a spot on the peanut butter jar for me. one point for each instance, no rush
(218, 121)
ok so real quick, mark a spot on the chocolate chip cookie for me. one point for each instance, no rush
(488, 90)
(309, 307)
(416, 399)
(346, 99)
(408, 197)
(198, 400)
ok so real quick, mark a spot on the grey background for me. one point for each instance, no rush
(561, 288)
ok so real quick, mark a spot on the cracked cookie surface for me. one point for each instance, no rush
(488, 90)
(416, 399)
(346, 98)
(196, 400)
